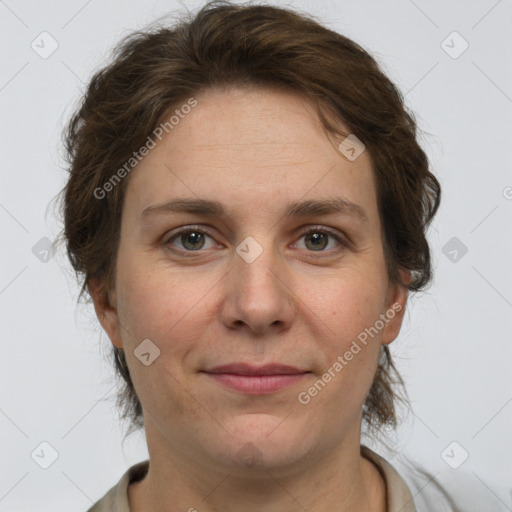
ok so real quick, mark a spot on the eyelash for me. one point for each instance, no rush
(198, 229)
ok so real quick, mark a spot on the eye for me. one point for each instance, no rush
(317, 239)
(191, 239)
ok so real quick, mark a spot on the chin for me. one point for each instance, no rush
(264, 439)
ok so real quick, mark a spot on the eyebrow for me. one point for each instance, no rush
(305, 208)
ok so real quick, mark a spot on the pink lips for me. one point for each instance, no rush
(256, 380)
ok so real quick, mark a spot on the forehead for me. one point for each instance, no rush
(251, 147)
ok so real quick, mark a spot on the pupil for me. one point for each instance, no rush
(194, 237)
(317, 239)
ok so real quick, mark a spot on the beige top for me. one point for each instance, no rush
(399, 498)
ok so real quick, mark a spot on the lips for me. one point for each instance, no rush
(256, 380)
(248, 369)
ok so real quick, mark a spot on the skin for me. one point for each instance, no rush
(254, 151)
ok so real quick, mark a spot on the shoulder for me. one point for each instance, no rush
(445, 489)
(116, 499)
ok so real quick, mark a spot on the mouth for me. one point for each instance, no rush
(254, 380)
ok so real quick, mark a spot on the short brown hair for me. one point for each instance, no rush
(156, 70)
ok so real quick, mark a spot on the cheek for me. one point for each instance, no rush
(143, 305)
(344, 312)
(346, 304)
(162, 307)
(161, 303)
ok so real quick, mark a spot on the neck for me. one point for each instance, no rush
(338, 480)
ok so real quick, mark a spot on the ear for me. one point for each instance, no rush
(106, 313)
(395, 307)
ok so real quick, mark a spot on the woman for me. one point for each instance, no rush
(247, 207)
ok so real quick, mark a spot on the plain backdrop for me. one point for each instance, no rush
(455, 349)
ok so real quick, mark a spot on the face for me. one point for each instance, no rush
(299, 292)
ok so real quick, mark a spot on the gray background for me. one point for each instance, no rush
(455, 348)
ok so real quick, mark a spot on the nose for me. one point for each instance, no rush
(258, 297)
